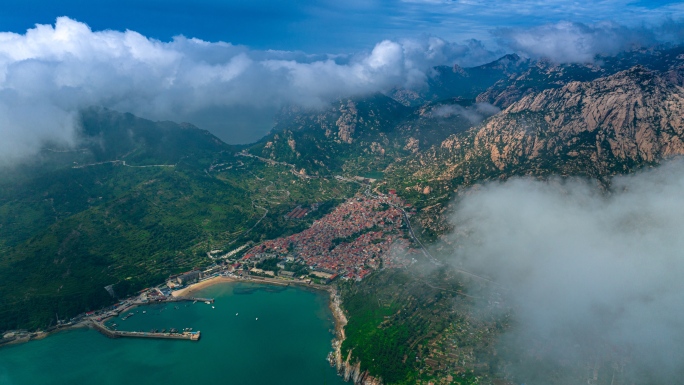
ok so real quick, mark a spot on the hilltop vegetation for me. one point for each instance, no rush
(74, 222)
(415, 325)
(136, 200)
(558, 119)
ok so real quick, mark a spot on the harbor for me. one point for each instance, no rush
(291, 337)
(98, 323)
(185, 335)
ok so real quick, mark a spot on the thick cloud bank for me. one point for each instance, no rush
(593, 276)
(50, 72)
(567, 42)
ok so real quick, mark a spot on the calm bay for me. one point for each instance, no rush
(287, 344)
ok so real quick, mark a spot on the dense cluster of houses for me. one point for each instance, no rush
(359, 236)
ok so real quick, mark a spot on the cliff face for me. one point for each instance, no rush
(347, 121)
(352, 373)
(600, 127)
(345, 368)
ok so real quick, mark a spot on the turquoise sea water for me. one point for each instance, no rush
(288, 344)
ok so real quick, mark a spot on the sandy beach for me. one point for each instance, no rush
(190, 290)
(334, 304)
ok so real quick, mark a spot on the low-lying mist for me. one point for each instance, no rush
(475, 114)
(594, 275)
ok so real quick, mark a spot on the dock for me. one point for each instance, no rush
(175, 299)
(179, 299)
(191, 336)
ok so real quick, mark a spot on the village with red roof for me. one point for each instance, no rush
(362, 234)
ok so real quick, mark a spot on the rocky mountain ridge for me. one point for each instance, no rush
(602, 127)
(109, 218)
(380, 132)
(544, 74)
(614, 124)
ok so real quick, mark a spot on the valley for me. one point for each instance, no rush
(140, 201)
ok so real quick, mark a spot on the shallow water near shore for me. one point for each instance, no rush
(288, 344)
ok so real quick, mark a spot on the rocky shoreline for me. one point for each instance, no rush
(349, 371)
(20, 337)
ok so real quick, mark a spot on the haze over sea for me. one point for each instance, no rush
(288, 344)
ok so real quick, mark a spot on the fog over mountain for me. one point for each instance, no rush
(567, 42)
(49, 73)
(491, 192)
(593, 275)
(477, 114)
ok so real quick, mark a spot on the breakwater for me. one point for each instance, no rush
(180, 299)
(287, 345)
(191, 336)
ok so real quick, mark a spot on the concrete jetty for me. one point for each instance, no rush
(175, 299)
(179, 299)
(192, 336)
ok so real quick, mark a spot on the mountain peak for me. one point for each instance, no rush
(609, 125)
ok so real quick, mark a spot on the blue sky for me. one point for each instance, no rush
(327, 26)
(229, 66)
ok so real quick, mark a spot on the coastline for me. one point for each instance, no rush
(335, 306)
(306, 307)
(41, 334)
(195, 287)
(348, 371)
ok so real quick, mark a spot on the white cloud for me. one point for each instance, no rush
(567, 42)
(590, 273)
(465, 19)
(474, 114)
(50, 72)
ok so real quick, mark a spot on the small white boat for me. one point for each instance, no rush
(207, 302)
(257, 318)
(236, 314)
(144, 311)
(213, 307)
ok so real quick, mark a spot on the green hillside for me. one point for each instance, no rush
(136, 201)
